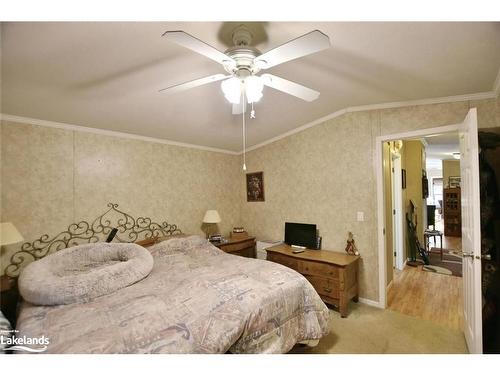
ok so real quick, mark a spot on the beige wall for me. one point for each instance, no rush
(450, 168)
(54, 177)
(325, 174)
(415, 163)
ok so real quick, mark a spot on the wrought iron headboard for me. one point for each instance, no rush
(129, 230)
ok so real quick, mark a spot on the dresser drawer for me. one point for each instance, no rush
(230, 247)
(325, 287)
(319, 269)
(284, 260)
(248, 252)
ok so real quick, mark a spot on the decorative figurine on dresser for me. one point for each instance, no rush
(351, 248)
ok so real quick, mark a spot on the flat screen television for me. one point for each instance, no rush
(300, 235)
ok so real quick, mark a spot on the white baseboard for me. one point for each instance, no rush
(370, 302)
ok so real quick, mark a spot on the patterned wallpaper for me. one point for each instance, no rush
(54, 177)
(325, 175)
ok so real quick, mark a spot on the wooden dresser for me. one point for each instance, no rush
(245, 247)
(334, 275)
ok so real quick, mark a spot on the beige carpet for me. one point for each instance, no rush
(368, 330)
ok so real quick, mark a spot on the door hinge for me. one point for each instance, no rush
(394, 254)
(394, 212)
(384, 231)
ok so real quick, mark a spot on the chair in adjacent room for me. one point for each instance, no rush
(432, 233)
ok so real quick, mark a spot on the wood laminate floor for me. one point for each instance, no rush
(452, 243)
(427, 295)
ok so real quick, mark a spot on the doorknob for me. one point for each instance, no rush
(471, 255)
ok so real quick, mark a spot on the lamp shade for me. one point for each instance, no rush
(211, 217)
(9, 234)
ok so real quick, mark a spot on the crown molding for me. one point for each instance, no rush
(112, 133)
(297, 130)
(373, 107)
(370, 107)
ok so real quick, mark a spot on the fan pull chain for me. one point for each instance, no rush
(244, 133)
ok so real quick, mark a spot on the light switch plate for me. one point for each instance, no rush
(360, 216)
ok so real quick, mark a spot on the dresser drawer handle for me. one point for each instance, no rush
(328, 290)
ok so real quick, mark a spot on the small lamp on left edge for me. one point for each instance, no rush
(9, 234)
(211, 217)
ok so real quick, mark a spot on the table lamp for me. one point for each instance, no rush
(9, 234)
(211, 217)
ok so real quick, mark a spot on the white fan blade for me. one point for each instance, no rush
(290, 87)
(195, 83)
(188, 41)
(238, 108)
(302, 46)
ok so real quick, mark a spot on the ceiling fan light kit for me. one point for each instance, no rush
(233, 88)
(243, 62)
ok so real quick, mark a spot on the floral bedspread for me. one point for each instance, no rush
(197, 299)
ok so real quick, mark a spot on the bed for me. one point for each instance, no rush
(196, 299)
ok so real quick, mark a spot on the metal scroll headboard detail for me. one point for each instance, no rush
(129, 230)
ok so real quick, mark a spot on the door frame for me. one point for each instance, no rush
(382, 253)
(397, 206)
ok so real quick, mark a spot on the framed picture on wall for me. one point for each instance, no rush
(454, 181)
(425, 185)
(255, 187)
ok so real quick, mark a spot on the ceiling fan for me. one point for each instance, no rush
(243, 62)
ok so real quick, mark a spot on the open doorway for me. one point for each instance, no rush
(443, 200)
(424, 193)
(420, 291)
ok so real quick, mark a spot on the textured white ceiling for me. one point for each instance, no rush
(107, 75)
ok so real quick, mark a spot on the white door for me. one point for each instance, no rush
(471, 232)
(397, 211)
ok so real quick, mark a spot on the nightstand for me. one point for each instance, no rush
(242, 246)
